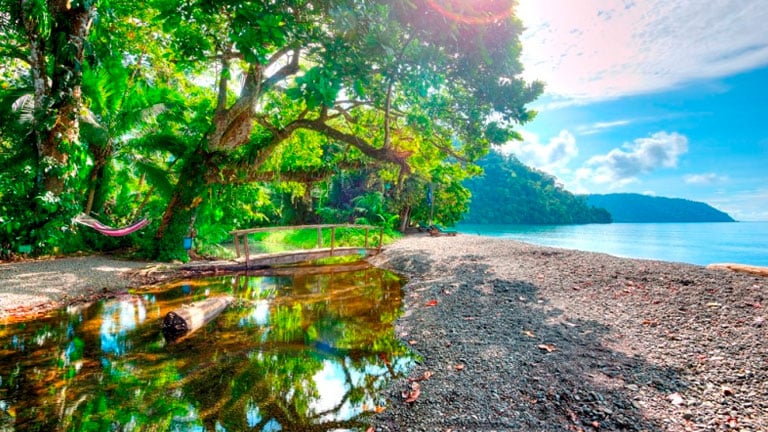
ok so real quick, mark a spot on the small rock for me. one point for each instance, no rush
(676, 399)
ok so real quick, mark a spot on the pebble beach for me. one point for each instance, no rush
(516, 337)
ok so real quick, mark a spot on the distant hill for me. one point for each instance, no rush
(511, 193)
(627, 207)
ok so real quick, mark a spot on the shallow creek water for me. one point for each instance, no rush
(305, 349)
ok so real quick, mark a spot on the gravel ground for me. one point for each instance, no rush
(516, 337)
(32, 288)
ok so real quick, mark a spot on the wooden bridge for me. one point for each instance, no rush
(297, 256)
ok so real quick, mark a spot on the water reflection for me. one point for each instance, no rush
(297, 351)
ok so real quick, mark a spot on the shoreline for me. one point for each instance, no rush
(515, 336)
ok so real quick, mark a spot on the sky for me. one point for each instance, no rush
(660, 97)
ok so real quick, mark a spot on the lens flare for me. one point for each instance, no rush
(474, 11)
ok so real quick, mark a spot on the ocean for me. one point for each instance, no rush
(693, 243)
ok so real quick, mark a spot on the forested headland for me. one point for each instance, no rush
(207, 116)
(509, 192)
(637, 208)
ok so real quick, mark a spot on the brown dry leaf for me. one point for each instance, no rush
(412, 394)
(412, 342)
(459, 367)
(425, 376)
(431, 303)
(370, 429)
(548, 347)
(528, 333)
(379, 409)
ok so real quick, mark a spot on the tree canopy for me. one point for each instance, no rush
(214, 114)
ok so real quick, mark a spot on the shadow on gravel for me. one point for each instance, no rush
(501, 359)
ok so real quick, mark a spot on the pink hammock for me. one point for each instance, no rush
(88, 221)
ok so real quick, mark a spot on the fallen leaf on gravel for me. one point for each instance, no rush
(370, 429)
(431, 303)
(548, 347)
(411, 395)
(713, 304)
(528, 333)
(379, 409)
(676, 399)
(459, 367)
(412, 342)
(425, 376)
(727, 391)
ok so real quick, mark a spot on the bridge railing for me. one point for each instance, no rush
(241, 236)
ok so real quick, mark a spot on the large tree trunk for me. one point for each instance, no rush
(186, 197)
(405, 218)
(57, 103)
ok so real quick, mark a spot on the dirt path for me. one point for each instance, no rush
(35, 287)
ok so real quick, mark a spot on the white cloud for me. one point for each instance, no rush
(549, 157)
(702, 179)
(600, 127)
(620, 167)
(593, 50)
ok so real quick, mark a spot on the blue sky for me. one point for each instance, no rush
(662, 97)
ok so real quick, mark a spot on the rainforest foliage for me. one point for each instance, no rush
(211, 115)
(511, 193)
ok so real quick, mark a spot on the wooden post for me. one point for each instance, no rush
(245, 247)
(366, 238)
(237, 245)
(319, 237)
(183, 321)
(381, 238)
(333, 238)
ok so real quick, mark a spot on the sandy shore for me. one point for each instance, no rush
(29, 288)
(516, 337)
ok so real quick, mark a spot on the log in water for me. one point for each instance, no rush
(188, 318)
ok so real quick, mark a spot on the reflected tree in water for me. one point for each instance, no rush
(301, 353)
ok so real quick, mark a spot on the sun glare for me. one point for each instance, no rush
(474, 11)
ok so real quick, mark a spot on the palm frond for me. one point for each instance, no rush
(172, 144)
(158, 177)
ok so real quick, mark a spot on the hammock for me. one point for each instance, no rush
(88, 221)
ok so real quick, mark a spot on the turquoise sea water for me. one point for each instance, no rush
(694, 243)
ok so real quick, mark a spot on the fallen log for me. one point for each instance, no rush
(183, 321)
(741, 268)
